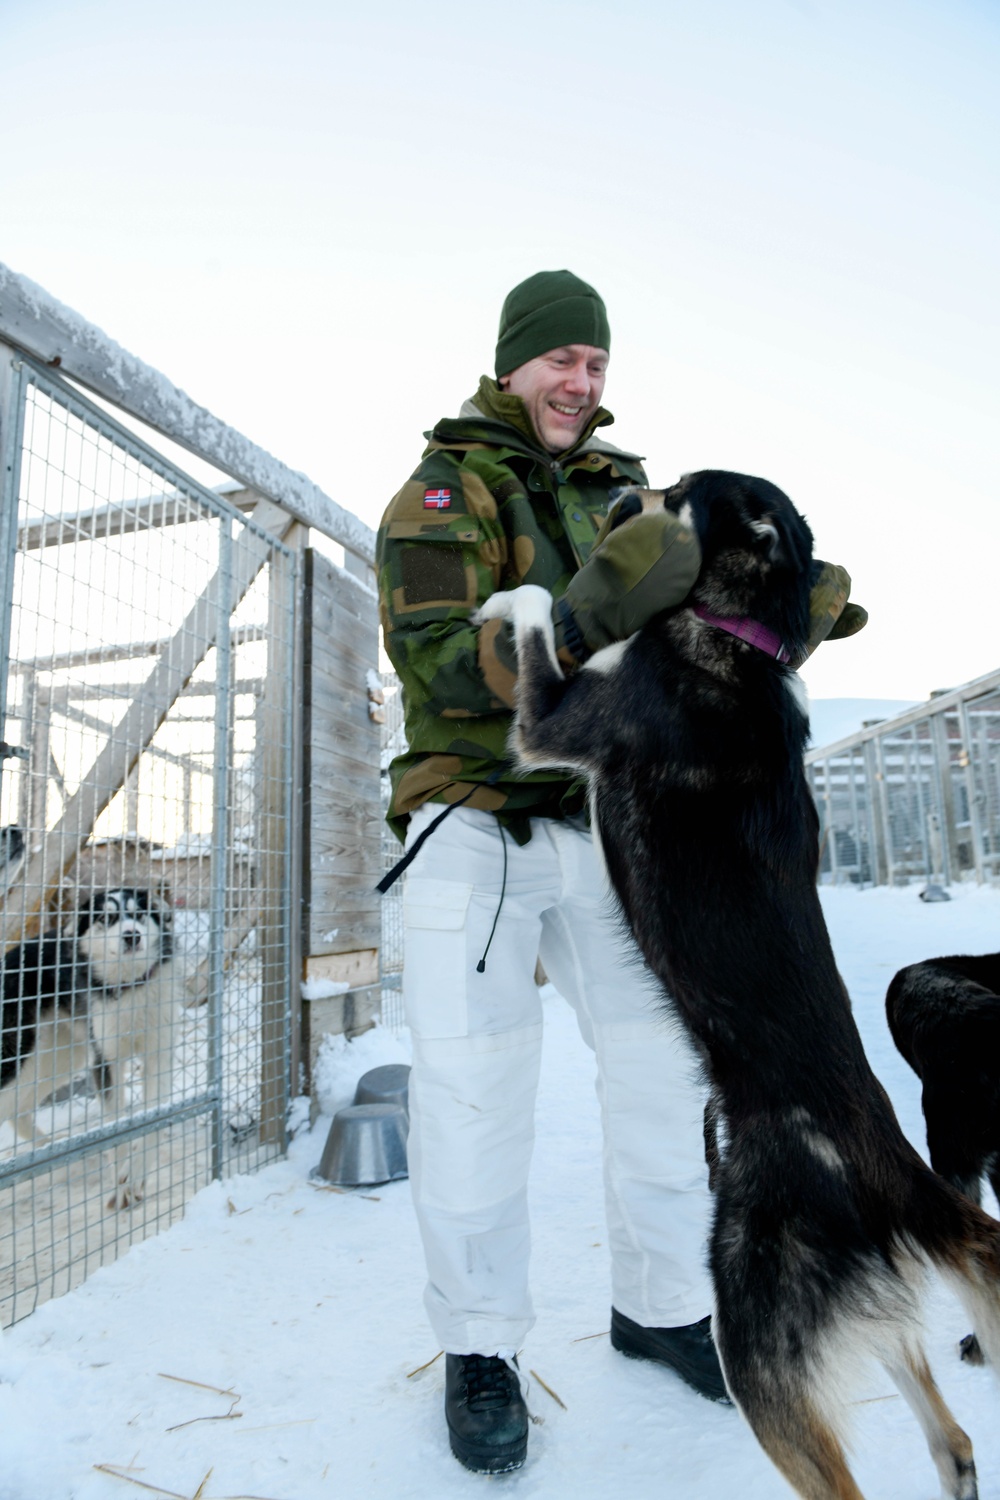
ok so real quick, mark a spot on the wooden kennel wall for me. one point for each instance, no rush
(342, 816)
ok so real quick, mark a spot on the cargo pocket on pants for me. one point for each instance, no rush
(434, 959)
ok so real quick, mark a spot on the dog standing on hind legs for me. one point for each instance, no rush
(826, 1220)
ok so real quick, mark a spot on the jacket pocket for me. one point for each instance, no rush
(434, 564)
(454, 529)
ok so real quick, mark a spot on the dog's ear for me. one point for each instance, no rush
(768, 541)
(161, 908)
(690, 500)
(164, 914)
(783, 538)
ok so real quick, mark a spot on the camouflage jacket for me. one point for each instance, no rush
(488, 508)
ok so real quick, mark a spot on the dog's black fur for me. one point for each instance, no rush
(41, 977)
(944, 1015)
(825, 1216)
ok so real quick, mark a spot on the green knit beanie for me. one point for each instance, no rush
(549, 310)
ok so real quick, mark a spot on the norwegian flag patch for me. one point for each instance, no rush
(437, 499)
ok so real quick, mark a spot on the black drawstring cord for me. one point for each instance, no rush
(481, 965)
(418, 843)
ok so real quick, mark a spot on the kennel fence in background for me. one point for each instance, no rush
(146, 744)
(166, 679)
(915, 797)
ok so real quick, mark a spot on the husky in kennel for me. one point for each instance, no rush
(87, 1001)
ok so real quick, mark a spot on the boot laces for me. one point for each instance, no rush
(488, 1380)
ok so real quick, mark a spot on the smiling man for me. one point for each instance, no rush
(504, 872)
(561, 391)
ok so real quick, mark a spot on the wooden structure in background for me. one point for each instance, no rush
(341, 812)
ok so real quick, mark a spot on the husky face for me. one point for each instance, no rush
(122, 934)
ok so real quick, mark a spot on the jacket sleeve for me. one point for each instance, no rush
(441, 552)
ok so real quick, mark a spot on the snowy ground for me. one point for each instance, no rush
(289, 1322)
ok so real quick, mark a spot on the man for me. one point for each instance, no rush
(516, 490)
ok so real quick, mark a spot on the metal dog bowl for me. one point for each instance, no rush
(389, 1084)
(366, 1146)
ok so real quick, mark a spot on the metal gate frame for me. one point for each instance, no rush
(244, 547)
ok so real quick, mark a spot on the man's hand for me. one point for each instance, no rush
(646, 564)
(831, 618)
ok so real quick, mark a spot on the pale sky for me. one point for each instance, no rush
(308, 215)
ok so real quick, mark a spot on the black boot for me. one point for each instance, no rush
(487, 1417)
(688, 1350)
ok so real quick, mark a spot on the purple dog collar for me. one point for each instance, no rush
(748, 630)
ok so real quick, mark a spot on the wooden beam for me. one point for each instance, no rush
(32, 320)
(62, 699)
(174, 509)
(123, 651)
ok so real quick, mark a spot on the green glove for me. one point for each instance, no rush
(644, 565)
(831, 618)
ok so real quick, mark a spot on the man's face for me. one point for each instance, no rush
(561, 389)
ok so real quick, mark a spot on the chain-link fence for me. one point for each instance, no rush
(916, 797)
(147, 664)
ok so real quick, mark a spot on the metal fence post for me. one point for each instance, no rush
(972, 792)
(881, 825)
(11, 438)
(946, 798)
(220, 838)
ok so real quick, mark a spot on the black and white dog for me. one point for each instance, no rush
(88, 1001)
(691, 734)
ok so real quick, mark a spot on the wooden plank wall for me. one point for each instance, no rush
(342, 817)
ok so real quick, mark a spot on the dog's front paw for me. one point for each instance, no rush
(125, 1195)
(528, 605)
(499, 606)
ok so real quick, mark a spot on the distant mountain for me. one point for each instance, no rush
(832, 719)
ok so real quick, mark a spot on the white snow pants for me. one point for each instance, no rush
(476, 1052)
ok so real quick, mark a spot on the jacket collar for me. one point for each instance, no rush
(495, 417)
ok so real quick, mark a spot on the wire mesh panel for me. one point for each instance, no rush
(911, 782)
(144, 860)
(839, 786)
(916, 798)
(983, 726)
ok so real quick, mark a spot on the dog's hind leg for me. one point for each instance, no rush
(978, 1289)
(794, 1403)
(950, 1447)
(802, 1445)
